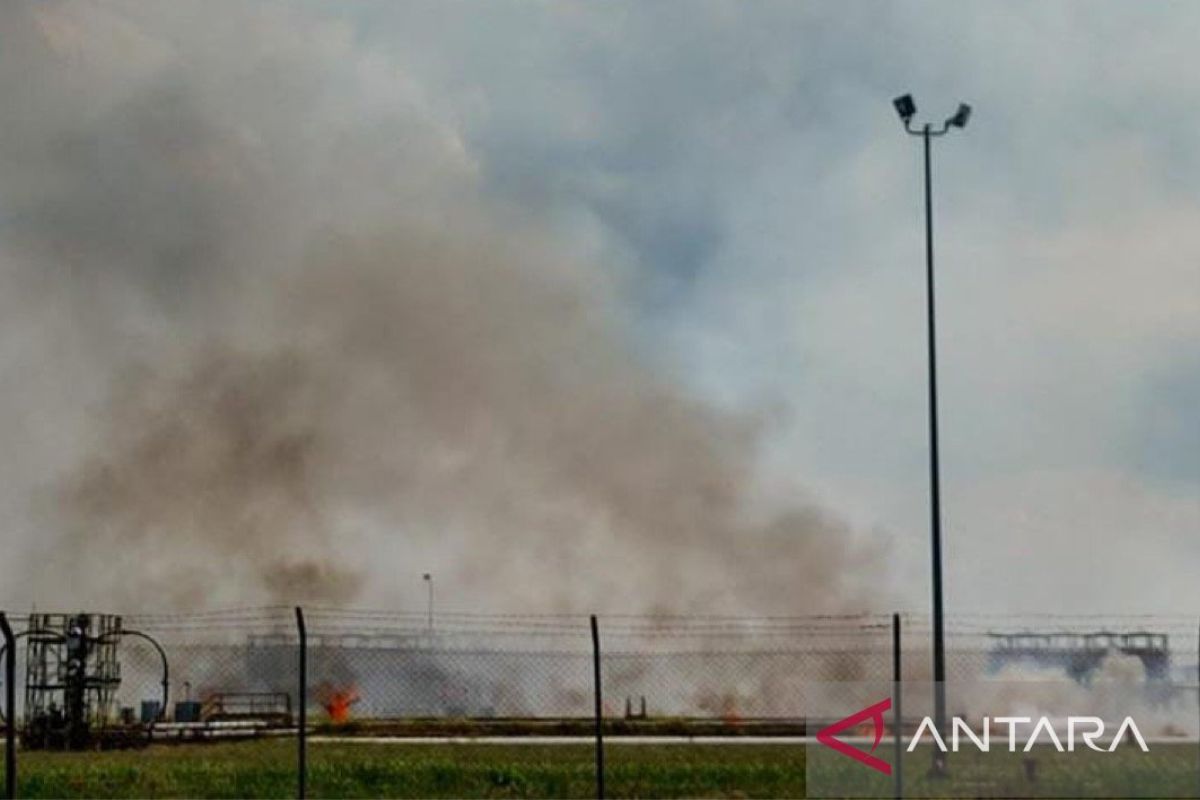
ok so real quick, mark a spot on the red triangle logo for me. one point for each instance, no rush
(827, 736)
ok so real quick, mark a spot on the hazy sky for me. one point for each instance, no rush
(744, 163)
(739, 172)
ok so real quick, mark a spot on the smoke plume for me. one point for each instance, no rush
(269, 342)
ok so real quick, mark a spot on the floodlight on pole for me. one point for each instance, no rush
(959, 120)
(906, 108)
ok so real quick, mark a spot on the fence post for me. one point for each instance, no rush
(897, 712)
(302, 730)
(599, 709)
(10, 708)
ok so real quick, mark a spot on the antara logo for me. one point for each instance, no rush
(1088, 730)
(827, 736)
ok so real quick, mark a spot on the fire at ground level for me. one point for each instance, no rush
(90, 680)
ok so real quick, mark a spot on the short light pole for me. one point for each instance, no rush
(428, 578)
(906, 108)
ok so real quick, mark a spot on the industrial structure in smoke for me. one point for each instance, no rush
(99, 680)
(1081, 655)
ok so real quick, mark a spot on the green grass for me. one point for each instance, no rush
(1166, 771)
(267, 769)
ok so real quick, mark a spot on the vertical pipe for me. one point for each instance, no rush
(599, 709)
(897, 713)
(10, 708)
(935, 495)
(429, 605)
(302, 691)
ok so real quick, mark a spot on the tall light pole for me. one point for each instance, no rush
(428, 578)
(907, 109)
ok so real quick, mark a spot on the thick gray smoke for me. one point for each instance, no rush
(267, 343)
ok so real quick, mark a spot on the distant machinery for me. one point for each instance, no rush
(72, 674)
(71, 678)
(1081, 654)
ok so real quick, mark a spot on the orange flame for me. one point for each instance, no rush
(337, 702)
(729, 712)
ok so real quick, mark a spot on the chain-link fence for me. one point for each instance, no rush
(687, 704)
